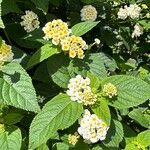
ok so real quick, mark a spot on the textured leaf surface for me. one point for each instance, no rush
(43, 53)
(96, 65)
(115, 135)
(10, 139)
(61, 146)
(41, 4)
(59, 113)
(57, 69)
(131, 91)
(138, 116)
(144, 138)
(102, 111)
(83, 27)
(17, 89)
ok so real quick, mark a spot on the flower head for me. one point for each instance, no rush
(92, 129)
(97, 41)
(30, 21)
(73, 138)
(56, 30)
(110, 90)
(6, 54)
(88, 13)
(74, 45)
(138, 31)
(122, 14)
(79, 90)
(134, 11)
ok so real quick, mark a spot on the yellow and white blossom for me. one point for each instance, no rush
(92, 129)
(30, 21)
(109, 90)
(79, 90)
(88, 13)
(56, 30)
(73, 138)
(138, 31)
(6, 54)
(75, 46)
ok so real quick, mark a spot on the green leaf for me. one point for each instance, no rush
(12, 118)
(108, 61)
(114, 135)
(42, 5)
(10, 139)
(143, 138)
(1, 21)
(81, 145)
(83, 27)
(94, 81)
(58, 114)
(61, 146)
(138, 116)
(57, 69)
(43, 53)
(17, 89)
(101, 109)
(131, 146)
(145, 24)
(10, 6)
(131, 91)
(96, 65)
(43, 147)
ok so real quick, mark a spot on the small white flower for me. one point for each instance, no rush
(144, 6)
(92, 129)
(138, 31)
(148, 15)
(122, 14)
(97, 41)
(79, 90)
(88, 13)
(133, 11)
(30, 21)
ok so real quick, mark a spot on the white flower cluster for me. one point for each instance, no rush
(138, 31)
(79, 90)
(92, 129)
(88, 13)
(133, 11)
(30, 21)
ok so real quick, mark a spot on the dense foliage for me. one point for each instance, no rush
(74, 74)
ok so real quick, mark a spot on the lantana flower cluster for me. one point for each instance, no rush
(6, 54)
(133, 11)
(75, 46)
(79, 90)
(88, 13)
(30, 21)
(59, 33)
(73, 138)
(109, 90)
(92, 129)
(56, 30)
